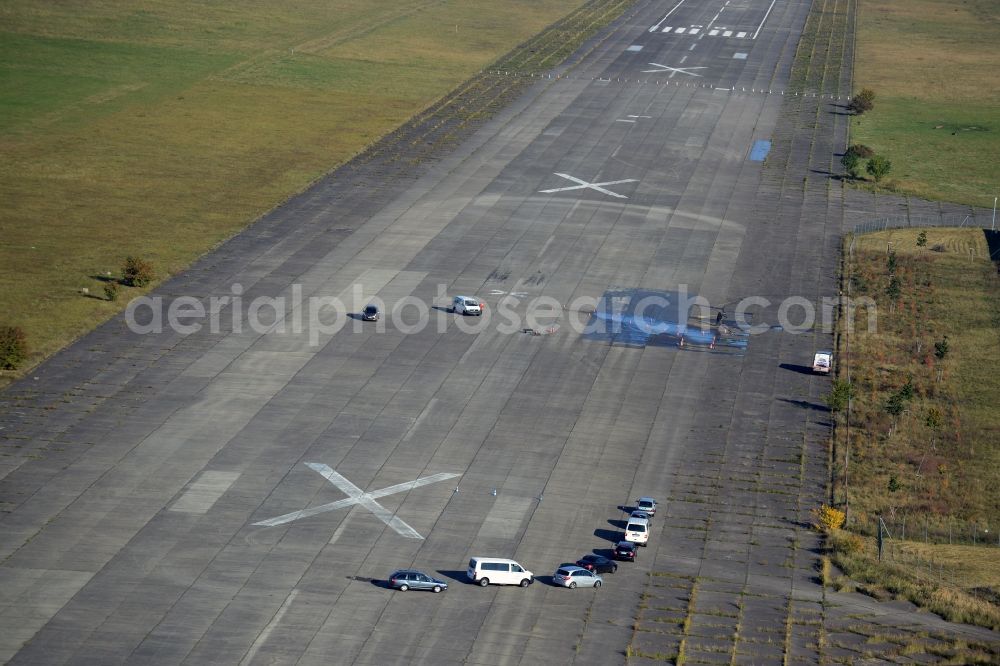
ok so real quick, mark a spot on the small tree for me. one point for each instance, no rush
(878, 167)
(13, 347)
(893, 484)
(934, 420)
(891, 263)
(922, 239)
(111, 290)
(137, 272)
(906, 392)
(851, 162)
(941, 348)
(893, 291)
(840, 395)
(863, 101)
(895, 405)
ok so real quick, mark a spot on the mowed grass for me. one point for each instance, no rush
(161, 128)
(934, 70)
(942, 473)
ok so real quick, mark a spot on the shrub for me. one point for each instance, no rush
(828, 518)
(846, 543)
(137, 272)
(893, 484)
(861, 150)
(941, 348)
(878, 167)
(111, 290)
(13, 347)
(891, 263)
(922, 239)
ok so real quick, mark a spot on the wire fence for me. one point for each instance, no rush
(906, 221)
(898, 549)
(935, 531)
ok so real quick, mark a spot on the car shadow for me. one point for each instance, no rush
(457, 576)
(440, 308)
(620, 524)
(605, 552)
(627, 509)
(614, 536)
(546, 580)
(801, 369)
(805, 404)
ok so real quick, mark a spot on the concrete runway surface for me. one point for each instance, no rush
(157, 501)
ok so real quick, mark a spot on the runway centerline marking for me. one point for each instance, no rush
(582, 184)
(358, 497)
(672, 70)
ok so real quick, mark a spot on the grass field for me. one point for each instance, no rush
(161, 128)
(935, 462)
(933, 66)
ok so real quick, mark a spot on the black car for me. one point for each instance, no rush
(626, 551)
(370, 313)
(409, 579)
(597, 564)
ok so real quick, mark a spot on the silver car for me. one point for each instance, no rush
(573, 577)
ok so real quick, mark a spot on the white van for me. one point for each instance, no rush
(637, 531)
(496, 570)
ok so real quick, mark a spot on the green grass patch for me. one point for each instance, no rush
(937, 110)
(159, 129)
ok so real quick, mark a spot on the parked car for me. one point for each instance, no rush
(466, 305)
(637, 531)
(499, 571)
(626, 551)
(822, 362)
(646, 505)
(597, 564)
(410, 579)
(370, 313)
(573, 577)
(641, 514)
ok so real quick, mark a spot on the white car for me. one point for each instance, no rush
(637, 531)
(466, 305)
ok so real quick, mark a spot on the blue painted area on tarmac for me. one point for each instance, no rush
(641, 317)
(760, 150)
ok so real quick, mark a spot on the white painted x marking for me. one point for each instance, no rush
(582, 184)
(356, 496)
(515, 294)
(672, 70)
